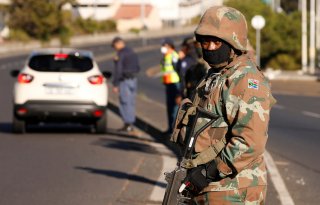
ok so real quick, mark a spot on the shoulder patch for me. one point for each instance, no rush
(252, 83)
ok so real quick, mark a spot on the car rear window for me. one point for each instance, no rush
(61, 63)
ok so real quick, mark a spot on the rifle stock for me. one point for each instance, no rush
(172, 195)
(176, 177)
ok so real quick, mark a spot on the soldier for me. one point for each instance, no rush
(238, 93)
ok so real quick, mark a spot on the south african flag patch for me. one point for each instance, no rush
(252, 83)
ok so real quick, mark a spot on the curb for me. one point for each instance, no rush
(290, 75)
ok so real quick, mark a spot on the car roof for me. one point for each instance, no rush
(48, 51)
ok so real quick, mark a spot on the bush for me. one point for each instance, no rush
(19, 35)
(90, 26)
(283, 62)
(87, 25)
(109, 25)
(135, 30)
(65, 35)
(195, 20)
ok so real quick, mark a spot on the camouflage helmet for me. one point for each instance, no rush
(225, 23)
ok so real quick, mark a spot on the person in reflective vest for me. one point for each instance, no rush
(171, 80)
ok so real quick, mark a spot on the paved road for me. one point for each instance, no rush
(293, 143)
(63, 165)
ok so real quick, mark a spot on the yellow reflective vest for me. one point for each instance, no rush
(169, 75)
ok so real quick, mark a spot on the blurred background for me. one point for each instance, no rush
(282, 48)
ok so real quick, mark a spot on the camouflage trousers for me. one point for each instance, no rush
(246, 196)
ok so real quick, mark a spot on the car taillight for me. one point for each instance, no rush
(24, 78)
(98, 113)
(96, 79)
(22, 111)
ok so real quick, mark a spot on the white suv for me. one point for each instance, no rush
(60, 85)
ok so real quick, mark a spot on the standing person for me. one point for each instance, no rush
(192, 68)
(228, 166)
(170, 79)
(187, 59)
(125, 81)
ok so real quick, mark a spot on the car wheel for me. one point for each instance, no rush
(18, 126)
(101, 124)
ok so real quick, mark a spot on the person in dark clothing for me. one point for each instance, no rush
(125, 81)
(187, 59)
(193, 77)
(191, 67)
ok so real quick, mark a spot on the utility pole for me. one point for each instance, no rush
(299, 5)
(278, 6)
(312, 52)
(304, 47)
(258, 22)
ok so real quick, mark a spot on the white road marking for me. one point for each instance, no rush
(169, 163)
(284, 195)
(311, 114)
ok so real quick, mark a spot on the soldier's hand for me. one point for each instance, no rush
(196, 179)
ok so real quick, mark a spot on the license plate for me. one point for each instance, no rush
(59, 91)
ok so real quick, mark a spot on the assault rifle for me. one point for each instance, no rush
(176, 192)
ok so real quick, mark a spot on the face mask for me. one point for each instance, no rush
(216, 57)
(164, 50)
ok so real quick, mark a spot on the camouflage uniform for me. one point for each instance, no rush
(241, 96)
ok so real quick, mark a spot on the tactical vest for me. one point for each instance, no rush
(169, 75)
(186, 119)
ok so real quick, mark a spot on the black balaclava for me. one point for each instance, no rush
(219, 57)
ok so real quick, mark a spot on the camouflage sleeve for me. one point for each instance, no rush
(247, 105)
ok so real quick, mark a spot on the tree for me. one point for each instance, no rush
(64, 20)
(39, 19)
(35, 17)
(280, 38)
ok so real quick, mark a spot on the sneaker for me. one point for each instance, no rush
(126, 128)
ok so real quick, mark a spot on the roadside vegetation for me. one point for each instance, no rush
(281, 36)
(44, 20)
